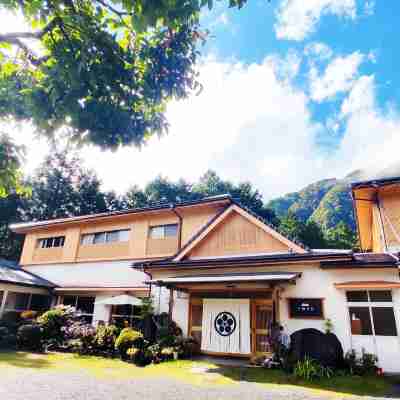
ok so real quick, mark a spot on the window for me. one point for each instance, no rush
(46, 243)
(384, 321)
(357, 296)
(39, 302)
(17, 301)
(122, 313)
(371, 312)
(163, 231)
(306, 308)
(83, 304)
(360, 321)
(121, 235)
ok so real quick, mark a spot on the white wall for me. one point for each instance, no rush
(180, 311)
(316, 283)
(92, 274)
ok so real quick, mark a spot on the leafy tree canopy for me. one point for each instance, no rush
(10, 160)
(104, 68)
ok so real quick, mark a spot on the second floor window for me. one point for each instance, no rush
(121, 235)
(163, 231)
(46, 243)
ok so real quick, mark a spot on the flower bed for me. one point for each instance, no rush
(61, 329)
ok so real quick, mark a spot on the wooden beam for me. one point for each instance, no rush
(171, 302)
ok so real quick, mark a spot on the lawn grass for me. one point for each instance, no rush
(192, 372)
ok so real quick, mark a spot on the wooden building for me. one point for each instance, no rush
(225, 275)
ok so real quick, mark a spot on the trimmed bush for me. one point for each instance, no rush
(53, 322)
(104, 340)
(29, 337)
(126, 339)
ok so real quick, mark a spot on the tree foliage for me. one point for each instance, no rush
(308, 233)
(104, 68)
(10, 161)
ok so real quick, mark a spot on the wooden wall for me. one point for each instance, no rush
(237, 235)
(139, 245)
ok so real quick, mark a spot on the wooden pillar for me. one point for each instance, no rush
(3, 303)
(171, 302)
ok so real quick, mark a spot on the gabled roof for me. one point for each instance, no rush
(23, 227)
(221, 217)
(17, 276)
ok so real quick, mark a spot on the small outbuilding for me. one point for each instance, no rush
(21, 290)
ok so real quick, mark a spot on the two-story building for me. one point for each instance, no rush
(225, 275)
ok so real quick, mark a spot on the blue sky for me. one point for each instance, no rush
(249, 35)
(294, 91)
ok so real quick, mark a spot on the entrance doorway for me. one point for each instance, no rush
(255, 322)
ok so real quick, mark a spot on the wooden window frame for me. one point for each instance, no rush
(322, 317)
(151, 227)
(44, 240)
(106, 233)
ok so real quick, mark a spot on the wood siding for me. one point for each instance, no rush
(378, 217)
(237, 235)
(139, 246)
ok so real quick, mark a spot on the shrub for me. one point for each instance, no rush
(187, 347)
(126, 339)
(53, 321)
(364, 365)
(28, 315)
(29, 337)
(309, 370)
(8, 339)
(104, 340)
(81, 336)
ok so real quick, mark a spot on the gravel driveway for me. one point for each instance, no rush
(45, 385)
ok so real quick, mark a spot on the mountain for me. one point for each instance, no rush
(327, 202)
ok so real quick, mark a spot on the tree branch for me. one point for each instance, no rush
(113, 9)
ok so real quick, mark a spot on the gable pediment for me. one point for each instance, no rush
(237, 232)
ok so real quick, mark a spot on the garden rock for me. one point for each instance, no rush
(323, 347)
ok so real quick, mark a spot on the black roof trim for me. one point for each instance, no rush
(164, 205)
(239, 261)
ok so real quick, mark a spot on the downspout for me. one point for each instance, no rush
(149, 276)
(173, 209)
(378, 204)
(355, 215)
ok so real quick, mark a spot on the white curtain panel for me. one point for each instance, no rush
(238, 342)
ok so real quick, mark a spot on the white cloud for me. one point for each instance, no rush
(369, 8)
(296, 19)
(318, 51)
(339, 76)
(371, 138)
(249, 124)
